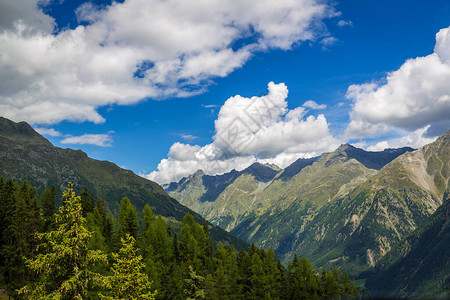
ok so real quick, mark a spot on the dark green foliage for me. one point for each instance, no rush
(167, 263)
(127, 223)
(87, 201)
(194, 286)
(48, 202)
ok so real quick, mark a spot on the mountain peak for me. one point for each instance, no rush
(345, 147)
(261, 172)
(199, 172)
(371, 159)
(20, 131)
(22, 128)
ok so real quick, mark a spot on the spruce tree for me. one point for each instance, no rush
(64, 264)
(7, 215)
(194, 286)
(87, 201)
(127, 222)
(128, 281)
(48, 201)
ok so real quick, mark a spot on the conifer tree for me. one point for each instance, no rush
(194, 286)
(65, 263)
(128, 281)
(48, 201)
(127, 222)
(107, 223)
(87, 201)
(8, 235)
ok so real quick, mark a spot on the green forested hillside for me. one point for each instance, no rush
(82, 253)
(26, 155)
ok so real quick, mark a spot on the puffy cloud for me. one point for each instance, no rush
(135, 50)
(47, 131)
(102, 140)
(415, 96)
(248, 130)
(16, 12)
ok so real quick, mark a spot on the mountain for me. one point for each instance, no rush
(358, 229)
(419, 266)
(222, 198)
(26, 155)
(253, 206)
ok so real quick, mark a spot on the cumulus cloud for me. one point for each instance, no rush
(135, 50)
(102, 140)
(313, 105)
(415, 96)
(47, 131)
(251, 129)
(16, 12)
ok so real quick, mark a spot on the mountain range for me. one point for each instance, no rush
(381, 216)
(26, 155)
(347, 209)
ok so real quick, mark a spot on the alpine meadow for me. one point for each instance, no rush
(210, 149)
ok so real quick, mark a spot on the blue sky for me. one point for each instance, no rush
(75, 82)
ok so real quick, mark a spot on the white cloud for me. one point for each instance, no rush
(343, 23)
(47, 131)
(415, 96)
(135, 50)
(102, 140)
(415, 139)
(248, 130)
(313, 105)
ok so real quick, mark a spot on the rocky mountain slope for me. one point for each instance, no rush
(358, 229)
(26, 155)
(418, 266)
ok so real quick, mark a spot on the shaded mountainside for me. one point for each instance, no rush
(373, 159)
(26, 155)
(420, 264)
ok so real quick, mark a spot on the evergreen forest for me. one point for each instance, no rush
(71, 247)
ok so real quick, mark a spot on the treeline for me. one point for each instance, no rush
(80, 251)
